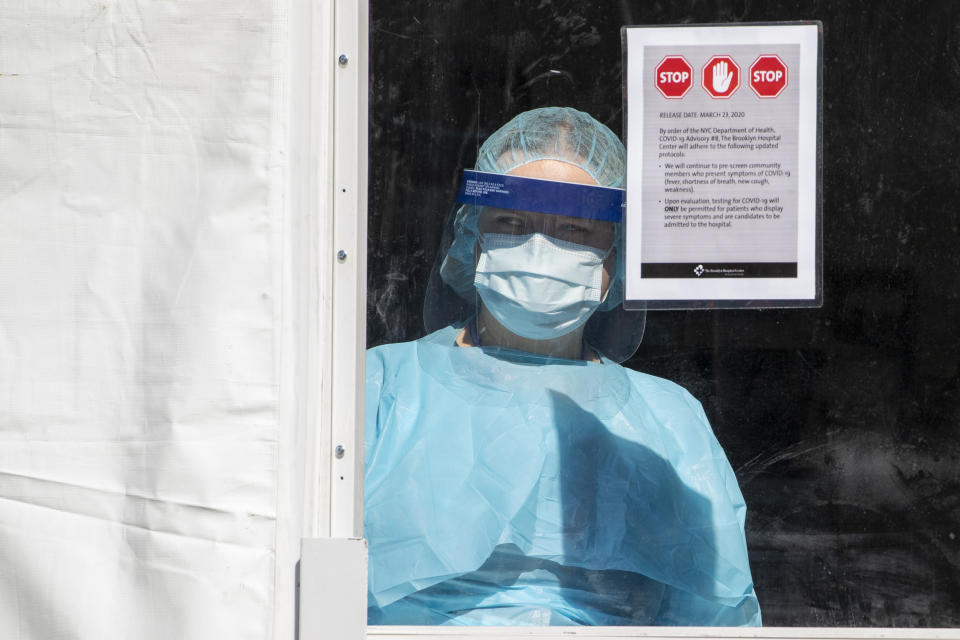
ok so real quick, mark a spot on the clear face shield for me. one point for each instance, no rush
(534, 257)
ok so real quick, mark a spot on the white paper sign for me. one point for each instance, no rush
(722, 166)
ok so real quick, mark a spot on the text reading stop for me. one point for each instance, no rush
(674, 76)
(767, 76)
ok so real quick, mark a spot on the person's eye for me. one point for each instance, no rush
(574, 229)
(510, 222)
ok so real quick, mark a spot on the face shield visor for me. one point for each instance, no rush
(571, 212)
(545, 250)
(536, 235)
(545, 258)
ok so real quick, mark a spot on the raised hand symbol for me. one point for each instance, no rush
(721, 77)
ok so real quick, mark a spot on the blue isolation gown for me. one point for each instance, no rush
(506, 488)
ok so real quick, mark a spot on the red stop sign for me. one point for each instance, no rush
(768, 76)
(720, 76)
(673, 77)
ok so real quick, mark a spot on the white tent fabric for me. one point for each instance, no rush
(142, 172)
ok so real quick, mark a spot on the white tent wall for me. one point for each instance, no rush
(166, 289)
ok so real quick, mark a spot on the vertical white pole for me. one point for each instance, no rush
(311, 193)
(330, 162)
(348, 257)
(329, 175)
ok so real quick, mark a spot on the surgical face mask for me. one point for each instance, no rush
(536, 286)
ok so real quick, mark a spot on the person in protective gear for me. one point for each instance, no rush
(515, 473)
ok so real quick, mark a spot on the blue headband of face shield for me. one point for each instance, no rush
(502, 191)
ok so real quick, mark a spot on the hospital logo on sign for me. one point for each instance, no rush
(698, 270)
